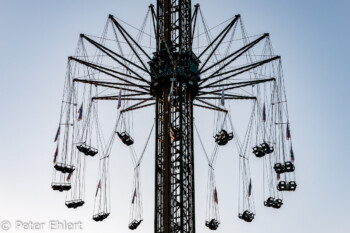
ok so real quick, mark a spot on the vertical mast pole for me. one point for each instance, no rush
(174, 84)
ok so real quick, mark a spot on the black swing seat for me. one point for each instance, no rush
(266, 148)
(134, 224)
(75, 203)
(258, 152)
(247, 216)
(175, 133)
(292, 186)
(278, 204)
(212, 224)
(64, 168)
(222, 138)
(284, 186)
(100, 216)
(126, 138)
(262, 150)
(289, 167)
(279, 168)
(274, 203)
(60, 187)
(87, 150)
(282, 168)
(269, 202)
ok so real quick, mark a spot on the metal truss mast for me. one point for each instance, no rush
(174, 69)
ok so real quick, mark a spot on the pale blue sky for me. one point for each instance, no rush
(37, 36)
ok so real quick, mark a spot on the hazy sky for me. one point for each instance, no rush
(37, 36)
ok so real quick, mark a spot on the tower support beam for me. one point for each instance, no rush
(174, 84)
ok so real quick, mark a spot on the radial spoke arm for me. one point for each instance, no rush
(223, 36)
(116, 98)
(240, 84)
(113, 56)
(125, 34)
(154, 20)
(225, 31)
(109, 85)
(243, 84)
(240, 70)
(108, 71)
(132, 96)
(211, 108)
(194, 21)
(195, 13)
(139, 103)
(233, 97)
(235, 55)
(99, 68)
(211, 105)
(137, 107)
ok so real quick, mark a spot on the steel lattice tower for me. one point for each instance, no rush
(174, 90)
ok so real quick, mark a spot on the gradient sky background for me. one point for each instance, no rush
(312, 37)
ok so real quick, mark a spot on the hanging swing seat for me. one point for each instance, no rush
(175, 133)
(126, 138)
(212, 224)
(222, 138)
(274, 203)
(247, 216)
(266, 148)
(284, 186)
(257, 150)
(100, 216)
(134, 224)
(270, 202)
(61, 187)
(75, 203)
(262, 150)
(64, 168)
(278, 203)
(87, 150)
(292, 186)
(279, 168)
(282, 168)
(289, 167)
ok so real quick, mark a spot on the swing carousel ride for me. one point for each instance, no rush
(176, 63)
